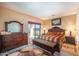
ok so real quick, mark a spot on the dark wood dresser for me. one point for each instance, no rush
(11, 41)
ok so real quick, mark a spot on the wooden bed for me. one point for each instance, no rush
(55, 43)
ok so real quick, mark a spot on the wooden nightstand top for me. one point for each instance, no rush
(70, 37)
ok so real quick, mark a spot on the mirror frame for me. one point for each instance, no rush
(6, 25)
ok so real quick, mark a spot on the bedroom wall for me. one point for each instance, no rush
(77, 37)
(11, 15)
(66, 23)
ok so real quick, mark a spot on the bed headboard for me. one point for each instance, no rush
(56, 30)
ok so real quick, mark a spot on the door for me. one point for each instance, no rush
(34, 31)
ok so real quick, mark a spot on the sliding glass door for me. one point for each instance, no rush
(34, 30)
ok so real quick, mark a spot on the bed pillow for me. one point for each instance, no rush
(55, 39)
(51, 38)
(43, 37)
(47, 37)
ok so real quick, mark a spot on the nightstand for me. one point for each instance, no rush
(69, 46)
(70, 40)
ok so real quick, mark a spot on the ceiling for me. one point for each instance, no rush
(44, 10)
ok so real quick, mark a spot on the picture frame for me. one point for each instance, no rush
(56, 21)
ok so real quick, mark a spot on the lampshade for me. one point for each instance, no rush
(44, 28)
(70, 29)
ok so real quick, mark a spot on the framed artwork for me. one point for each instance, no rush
(56, 21)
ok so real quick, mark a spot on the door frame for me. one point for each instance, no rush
(30, 22)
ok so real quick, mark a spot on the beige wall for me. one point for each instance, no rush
(66, 23)
(69, 23)
(77, 37)
(45, 24)
(11, 15)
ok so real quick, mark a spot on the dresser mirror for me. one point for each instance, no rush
(13, 26)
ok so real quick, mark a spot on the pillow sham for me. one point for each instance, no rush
(47, 38)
